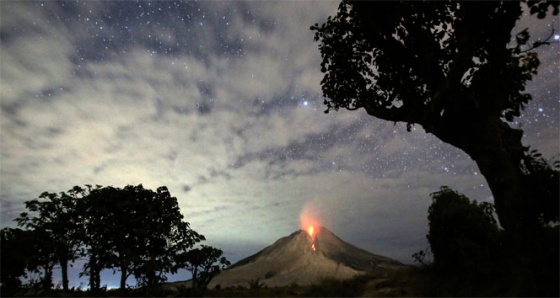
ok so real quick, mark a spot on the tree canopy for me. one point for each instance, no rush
(472, 257)
(15, 252)
(56, 218)
(450, 67)
(464, 236)
(203, 263)
(133, 230)
(136, 231)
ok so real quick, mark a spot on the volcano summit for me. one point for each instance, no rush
(304, 258)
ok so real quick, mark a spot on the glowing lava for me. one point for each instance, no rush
(310, 223)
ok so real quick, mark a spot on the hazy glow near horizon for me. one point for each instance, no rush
(198, 96)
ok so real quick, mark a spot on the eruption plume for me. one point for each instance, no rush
(310, 223)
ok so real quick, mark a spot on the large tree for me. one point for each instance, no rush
(164, 235)
(451, 67)
(134, 230)
(54, 214)
(93, 211)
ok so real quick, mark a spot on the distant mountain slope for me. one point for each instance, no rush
(301, 259)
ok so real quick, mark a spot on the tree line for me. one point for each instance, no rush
(136, 231)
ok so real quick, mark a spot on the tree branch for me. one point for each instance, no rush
(403, 113)
(537, 44)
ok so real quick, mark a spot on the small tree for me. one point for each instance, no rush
(464, 237)
(16, 257)
(469, 249)
(543, 187)
(204, 263)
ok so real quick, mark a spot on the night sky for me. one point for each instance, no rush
(221, 103)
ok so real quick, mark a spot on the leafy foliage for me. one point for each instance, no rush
(448, 66)
(134, 230)
(543, 181)
(255, 284)
(464, 236)
(16, 257)
(400, 60)
(163, 235)
(55, 217)
(204, 263)
(472, 256)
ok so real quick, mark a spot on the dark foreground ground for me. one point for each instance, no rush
(409, 282)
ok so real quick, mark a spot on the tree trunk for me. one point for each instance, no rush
(91, 278)
(123, 278)
(499, 160)
(497, 150)
(94, 272)
(92, 265)
(194, 273)
(47, 280)
(97, 277)
(64, 270)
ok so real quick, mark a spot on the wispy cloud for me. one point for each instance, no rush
(222, 105)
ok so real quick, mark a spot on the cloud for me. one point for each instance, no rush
(227, 114)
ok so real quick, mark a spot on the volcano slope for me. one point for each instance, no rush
(304, 260)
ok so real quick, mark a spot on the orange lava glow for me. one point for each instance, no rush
(310, 224)
(309, 219)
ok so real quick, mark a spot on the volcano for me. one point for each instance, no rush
(304, 258)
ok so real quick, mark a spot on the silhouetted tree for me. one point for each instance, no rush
(35, 250)
(134, 230)
(449, 67)
(203, 263)
(54, 214)
(92, 211)
(16, 258)
(45, 255)
(464, 237)
(543, 182)
(472, 258)
(164, 235)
